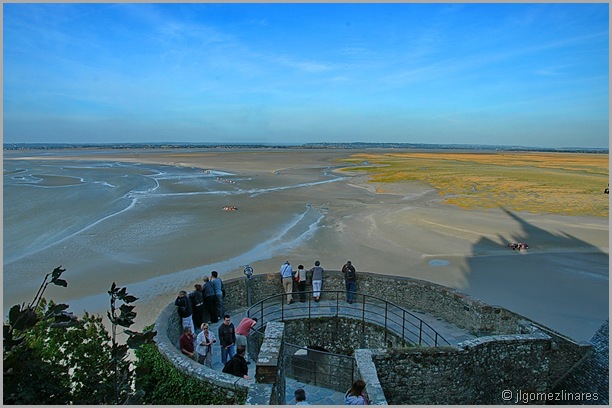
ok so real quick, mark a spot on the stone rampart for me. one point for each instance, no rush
(475, 372)
(511, 352)
(451, 305)
(223, 387)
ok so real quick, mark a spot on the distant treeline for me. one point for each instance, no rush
(351, 145)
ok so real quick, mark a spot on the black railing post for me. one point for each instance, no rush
(363, 303)
(420, 331)
(386, 319)
(403, 328)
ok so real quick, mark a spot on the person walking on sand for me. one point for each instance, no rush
(355, 396)
(227, 338)
(350, 280)
(286, 272)
(184, 310)
(218, 285)
(317, 280)
(301, 282)
(204, 343)
(242, 332)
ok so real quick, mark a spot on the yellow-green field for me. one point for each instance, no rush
(561, 183)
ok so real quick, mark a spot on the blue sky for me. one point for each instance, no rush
(512, 74)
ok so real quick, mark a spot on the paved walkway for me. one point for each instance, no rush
(319, 395)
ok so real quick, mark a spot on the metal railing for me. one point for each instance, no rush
(365, 308)
(331, 370)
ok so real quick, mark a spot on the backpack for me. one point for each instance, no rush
(228, 368)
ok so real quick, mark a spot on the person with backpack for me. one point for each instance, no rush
(350, 280)
(237, 365)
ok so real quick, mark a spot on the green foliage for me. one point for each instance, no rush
(51, 357)
(163, 384)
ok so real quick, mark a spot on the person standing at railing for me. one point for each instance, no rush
(350, 280)
(217, 283)
(317, 280)
(300, 276)
(242, 332)
(286, 272)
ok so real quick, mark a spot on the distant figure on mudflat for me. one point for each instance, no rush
(300, 275)
(350, 280)
(286, 272)
(184, 310)
(317, 280)
(218, 285)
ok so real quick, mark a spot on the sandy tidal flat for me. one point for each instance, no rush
(293, 204)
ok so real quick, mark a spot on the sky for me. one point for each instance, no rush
(491, 73)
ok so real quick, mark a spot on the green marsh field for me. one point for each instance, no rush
(551, 183)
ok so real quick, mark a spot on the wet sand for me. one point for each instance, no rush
(560, 281)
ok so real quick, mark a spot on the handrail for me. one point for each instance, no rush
(426, 335)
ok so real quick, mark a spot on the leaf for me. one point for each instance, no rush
(124, 322)
(57, 272)
(56, 310)
(14, 314)
(25, 319)
(60, 282)
(129, 299)
(136, 339)
(126, 308)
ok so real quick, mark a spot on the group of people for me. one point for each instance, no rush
(232, 340)
(354, 396)
(289, 277)
(205, 300)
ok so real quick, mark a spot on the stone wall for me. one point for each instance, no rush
(476, 372)
(225, 387)
(512, 353)
(338, 335)
(592, 375)
(440, 301)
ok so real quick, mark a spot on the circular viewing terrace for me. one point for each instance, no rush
(405, 337)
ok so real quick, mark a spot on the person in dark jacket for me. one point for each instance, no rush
(350, 280)
(237, 365)
(210, 300)
(184, 309)
(197, 304)
(227, 339)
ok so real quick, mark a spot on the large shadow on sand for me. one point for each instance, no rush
(560, 281)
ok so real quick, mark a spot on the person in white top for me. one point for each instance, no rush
(204, 344)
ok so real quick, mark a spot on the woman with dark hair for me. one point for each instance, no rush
(355, 396)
